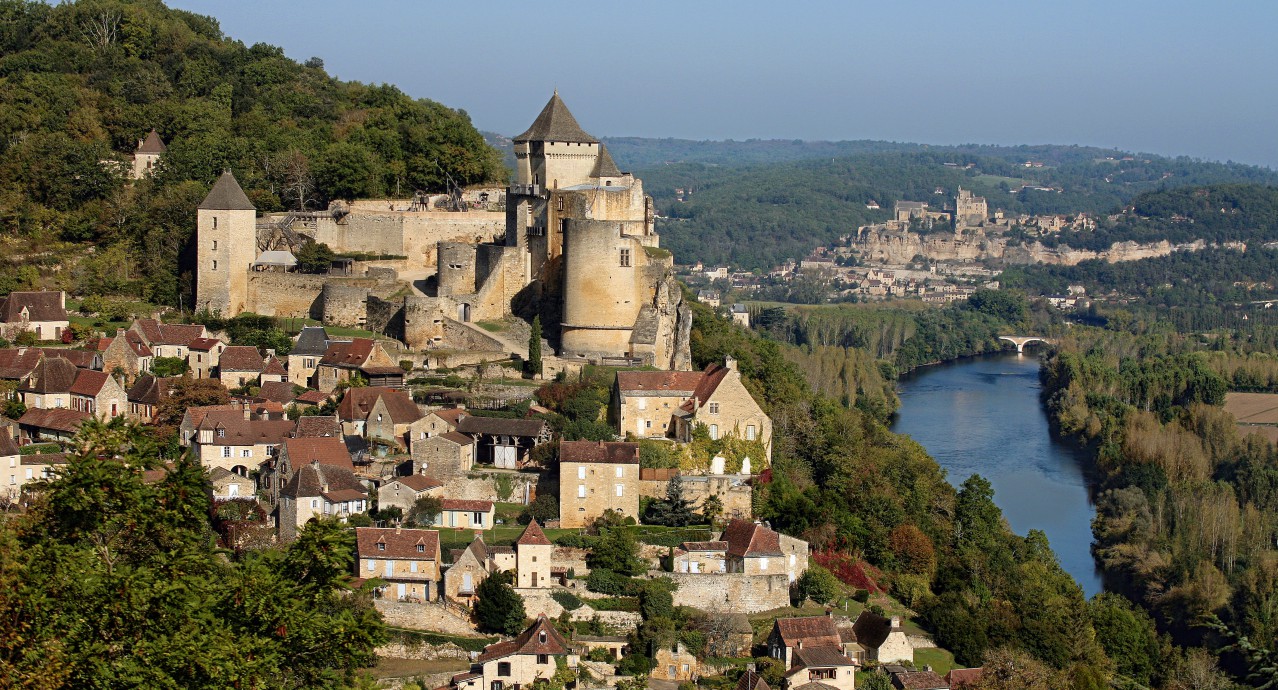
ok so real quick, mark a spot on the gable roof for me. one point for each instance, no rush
(204, 344)
(752, 681)
(466, 505)
(240, 358)
(16, 363)
(821, 655)
(89, 382)
(555, 123)
(449, 415)
(748, 539)
(713, 375)
(226, 195)
(399, 542)
(311, 342)
(315, 480)
(239, 431)
(7, 445)
(40, 306)
(326, 450)
(158, 333)
(533, 536)
(273, 366)
(359, 402)
(604, 165)
(679, 382)
(85, 359)
(612, 453)
(872, 629)
(148, 390)
(498, 426)
(57, 419)
(419, 482)
(452, 437)
(920, 680)
(317, 426)
(152, 143)
(277, 391)
(50, 375)
(348, 354)
(810, 630)
(540, 638)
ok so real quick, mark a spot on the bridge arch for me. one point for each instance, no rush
(1020, 341)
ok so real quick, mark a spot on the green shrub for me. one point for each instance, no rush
(576, 541)
(608, 582)
(568, 600)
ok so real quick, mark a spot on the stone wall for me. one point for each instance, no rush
(412, 234)
(746, 593)
(433, 617)
(737, 496)
(285, 294)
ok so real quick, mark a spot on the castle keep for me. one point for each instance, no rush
(579, 248)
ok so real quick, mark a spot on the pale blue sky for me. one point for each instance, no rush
(1168, 77)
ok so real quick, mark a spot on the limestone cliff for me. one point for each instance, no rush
(898, 247)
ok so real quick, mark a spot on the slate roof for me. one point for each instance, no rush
(497, 426)
(540, 638)
(40, 306)
(240, 358)
(310, 480)
(50, 375)
(810, 630)
(612, 453)
(920, 680)
(466, 505)
(604, 165)
(89, 382)
(678, 382)
(327, 450)
(400, 543)
(57, 419)
(747, 539)
(359, 402)
(533, 536)
(348, 354)
(152, 143)
(872, 629)
(555, 123)
(317, 426)
(311, 342)
(16, 363)
(821, 655)
(419, 482)
(227, 195)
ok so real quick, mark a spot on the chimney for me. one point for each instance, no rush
(119, 332)
(896, 622)
(398, 529)
(270, 352)
(730, 362)
(248, 413)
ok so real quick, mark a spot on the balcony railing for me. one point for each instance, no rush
(525, 189)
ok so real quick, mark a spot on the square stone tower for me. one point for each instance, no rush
(226, 239)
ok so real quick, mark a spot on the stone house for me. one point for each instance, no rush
(673, 662)
(42, 313)
(791, 634)
(168, 339)
(407, 559)
(317, 426)
(317, 490)
(449, 454)
(403, 492)
(472, 565)
(504, 442)
(25, 470)
(203, 356)
(56, 425)
(701, 557)
(194, 416)
(10, 460)
(304, 358)
(883, 638)
(99, 394)
(616, 645)
(239, 440)
(644, 402)
(377, 414)
(466, 514)
(343, 359)
(144, 397)
(825, 665)
(147, 156)
(740, 315)
(723, 405)
(48, 386)
(919, 680)
(534, 654)
(83, 359)
(272, 370)
(18, 363)
(755, 549)
(227, 485)
(240, 365)
(276, 391)
(295, 453)
(434, 423)
(597, 476)
(533, 558)
(125, 354)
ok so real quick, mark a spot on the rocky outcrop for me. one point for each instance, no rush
(896, 247)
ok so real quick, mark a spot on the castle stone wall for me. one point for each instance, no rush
(412, 234)
(344, 305)
(741, 592)
(456, 268)
(285, 294)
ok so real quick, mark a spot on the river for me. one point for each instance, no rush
(983, 416)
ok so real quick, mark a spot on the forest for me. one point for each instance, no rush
(83, 82)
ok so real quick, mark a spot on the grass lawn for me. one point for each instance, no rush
(940, 660)
(408, 668)
(491, 326)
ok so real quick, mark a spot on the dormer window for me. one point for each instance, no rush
(541, 637)
(421, 548)
(221, 433)
(381, 547)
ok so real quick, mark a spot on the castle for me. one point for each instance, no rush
(579, 249)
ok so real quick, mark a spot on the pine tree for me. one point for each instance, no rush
(534, 348)
(500, 609)
(675, 511)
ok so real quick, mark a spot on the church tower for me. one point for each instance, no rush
(226, 239)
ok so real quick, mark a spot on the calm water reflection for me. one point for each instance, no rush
(983, 416)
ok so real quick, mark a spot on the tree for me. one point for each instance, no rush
(712, 509)
(314, 257)
(675, 511)
(656, 599)
(534, 364)
(1128, 636)
(618, 552)
(818, 584)
(425, 510)
(188, 392)
(543, 508)
(169, 366)
(500, 609)
(874, 680)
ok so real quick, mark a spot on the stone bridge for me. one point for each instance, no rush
(1020, 341)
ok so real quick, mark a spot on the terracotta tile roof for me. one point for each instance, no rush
(747, 538)
(821, 655)
(85, 359)
(15, 363)
(350, 354)
(540, 638)
(132, 339)
(44, 459)
(277, 391)
(227, 195)
(497, 426)
(704, 546)
(238, 431)
(466, 505)
(533, 536)
(400, 543)
(7, 445)
(872, 629)
(964, 677)
(920, 680)
(40, 306)
(555, 123)
(157, 333)
(195, 415)
(57, 419)
(449, 415)
(274, 367)
(240, 358)
(344, 495)
(674, 382)
(313, 397)
(315, 479)
(89, 382)
(50, 375)
(311, 342)
(810, 630)
(612, 453)
(317, 426)
(359, 402)
(457, 437)
(419, 482)
(204, 344)
(752, 681)
(325, 449)
(152, 144)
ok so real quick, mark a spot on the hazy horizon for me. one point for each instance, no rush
(1164, 78)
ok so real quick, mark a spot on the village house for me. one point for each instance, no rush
(825, 666)
(239, 440)
(82, 359)
(300, 452)
(28, 470)
(41, 313)
(168, 339)
(239, 365)
(791, 634)
(304, 358)
(472, 565)
(434, 423)
(723, 405)
(228, 485)
(447, 455)
(407, 559)
(318, 490)
(203, 355)
(403, 492)
(98, 394)
(147, 156)
(58, 425)
(504, 442)
(740, 315)
(644, 402)
(276, 391)
(466, 514)
(746, 547)
(48, 386)
(126, 353)
(674, 663)
(883, 638)
(533, 556)
(595, 477)
(346, 359)
(318, 426)
(534, 654)
(272, 370)
(18, 363)
(378, 414)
